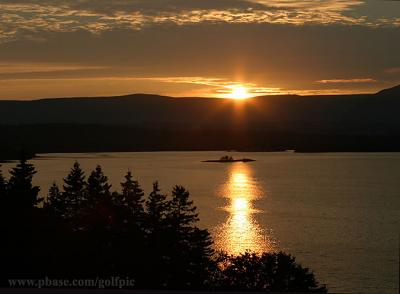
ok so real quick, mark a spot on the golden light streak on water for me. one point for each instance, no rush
(241, 231)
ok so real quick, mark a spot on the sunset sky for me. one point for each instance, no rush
(64, 48)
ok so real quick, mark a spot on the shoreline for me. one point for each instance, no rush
(39, 155)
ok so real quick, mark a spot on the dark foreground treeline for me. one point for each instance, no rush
(84, 230)
(90, 138)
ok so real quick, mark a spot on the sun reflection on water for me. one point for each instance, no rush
(241, 231)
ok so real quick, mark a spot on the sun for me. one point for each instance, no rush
(239, 92)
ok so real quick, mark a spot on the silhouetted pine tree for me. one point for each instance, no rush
(191, 248)
(74, 190)
(21, 222)
(3, 186)
(132, 195)
(21, 191)
(158, 253)
(97, 187)
(55, 201)
(128, 230)
(182, 213)
(267, 271)
(4, 200)
(96, 220)
(156, 209)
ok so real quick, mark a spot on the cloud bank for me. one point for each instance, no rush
(22, 19)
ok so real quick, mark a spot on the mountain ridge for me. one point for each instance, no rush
(390, 91)
(139, 109)
(141, 122)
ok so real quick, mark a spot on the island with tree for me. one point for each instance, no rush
(227, 159)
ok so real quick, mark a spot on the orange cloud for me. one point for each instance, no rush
(16, 68)
(347, 81)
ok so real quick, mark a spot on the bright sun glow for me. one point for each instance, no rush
(239, 92)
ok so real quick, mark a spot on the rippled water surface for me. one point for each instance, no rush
(339, 214)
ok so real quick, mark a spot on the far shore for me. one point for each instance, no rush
(40, 155)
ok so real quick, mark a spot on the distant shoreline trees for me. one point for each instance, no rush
(86, 230)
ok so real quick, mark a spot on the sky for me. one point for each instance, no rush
(203, 48)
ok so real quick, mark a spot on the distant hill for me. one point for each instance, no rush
(394, 91)
(344, 113)
(306, 123)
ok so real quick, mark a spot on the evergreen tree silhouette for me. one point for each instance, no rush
(156, 209)
(182, 213)
(74, 190)
(96, 220)
(21, 192)
(21, 221)
(132, 195)
(158, 239)
(267, 271)
(3, 186)
(97, 187)
(55, 201)
(191, 249)
(99, 207)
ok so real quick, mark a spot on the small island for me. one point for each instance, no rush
(226, 158)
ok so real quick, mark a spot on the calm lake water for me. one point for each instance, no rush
(339, 214)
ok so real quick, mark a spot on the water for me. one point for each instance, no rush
(339, 214)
